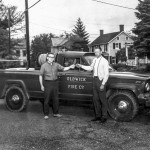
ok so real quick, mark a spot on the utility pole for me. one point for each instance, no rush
(27, 34)
(9, 39)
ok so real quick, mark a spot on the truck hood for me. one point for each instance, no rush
(130, 75)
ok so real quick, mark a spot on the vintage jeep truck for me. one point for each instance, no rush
(126, 91)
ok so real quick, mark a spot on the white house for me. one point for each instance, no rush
(110, 43)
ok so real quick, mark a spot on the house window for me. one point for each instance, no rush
(117, 38)
(92, 48)
(24, 53)
(117, 45)
(18, 52)
(113, 45)
(127, 38)
(105, 48)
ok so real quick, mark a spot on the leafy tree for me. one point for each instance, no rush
(3, 41)
(131, 52)
(16, 19)
(40, 44)
(142, 29)
(121, 55)
(73, 42)
(80, 31)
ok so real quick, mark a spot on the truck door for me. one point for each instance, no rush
(75, 84)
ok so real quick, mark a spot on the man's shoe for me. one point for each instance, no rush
(57, 115)
(46, 117)
(103, 120)
(96, 119)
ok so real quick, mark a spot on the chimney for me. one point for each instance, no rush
(121, 28)
(101, 32)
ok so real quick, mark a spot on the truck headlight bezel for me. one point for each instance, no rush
(147, 87)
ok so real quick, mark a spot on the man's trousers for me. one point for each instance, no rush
(51, 95)
(99, 99)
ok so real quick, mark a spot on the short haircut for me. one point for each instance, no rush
(99, 48)
(50, 53)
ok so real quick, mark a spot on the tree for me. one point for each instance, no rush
(80, 31)
(3, 42)
(131, 52)
(142, 29)
(40, 44)
(16, 19)
(121, 55)
(73, 42)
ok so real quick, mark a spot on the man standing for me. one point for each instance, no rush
(100, 69)
(48, 81)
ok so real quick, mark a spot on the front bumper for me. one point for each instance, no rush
(144, 99)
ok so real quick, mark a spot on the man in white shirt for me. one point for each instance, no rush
(100, 69)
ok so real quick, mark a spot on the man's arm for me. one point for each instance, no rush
(88, 68)
(106, 72)
(41, 82)
(41, 77)
(70, 67)
(65, 68)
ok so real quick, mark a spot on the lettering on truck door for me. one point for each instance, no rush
(75, 83)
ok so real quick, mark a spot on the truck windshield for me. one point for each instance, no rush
(89, 59)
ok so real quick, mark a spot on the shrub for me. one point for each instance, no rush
(10, 64)
(143, 68)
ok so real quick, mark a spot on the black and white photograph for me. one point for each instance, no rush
(74, 74)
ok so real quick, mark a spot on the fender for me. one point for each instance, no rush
(18, 83)
(122, 86)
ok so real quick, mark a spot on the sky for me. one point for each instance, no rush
(58, 16)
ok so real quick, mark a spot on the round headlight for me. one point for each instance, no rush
(147, 87)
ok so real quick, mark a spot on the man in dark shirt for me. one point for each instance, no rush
(48, 81)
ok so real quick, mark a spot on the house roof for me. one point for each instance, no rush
(105, 38)
(59, 41)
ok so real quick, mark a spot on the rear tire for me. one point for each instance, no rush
(16, 99)
(123, 106)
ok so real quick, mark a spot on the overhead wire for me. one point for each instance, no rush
(52, 18)
(75, 21)
(33, 5)
(114, 4)
(49, 27)
(86, 23)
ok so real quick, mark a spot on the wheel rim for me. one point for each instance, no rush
(120, 107)
(14, 99)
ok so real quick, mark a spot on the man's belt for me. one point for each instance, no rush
(95, 76)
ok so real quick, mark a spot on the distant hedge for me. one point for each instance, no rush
(143, 68)
(9, 64)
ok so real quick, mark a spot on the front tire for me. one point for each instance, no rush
(123, 106)
(15, 99)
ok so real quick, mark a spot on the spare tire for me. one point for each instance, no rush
(42, 59)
